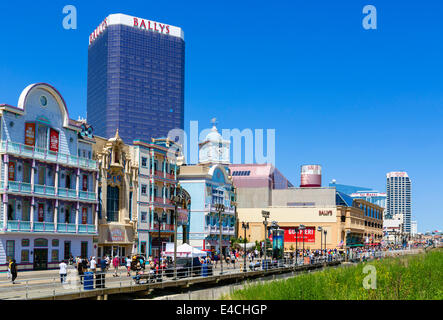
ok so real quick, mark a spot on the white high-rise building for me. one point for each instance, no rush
(413, 227)
(398, 200)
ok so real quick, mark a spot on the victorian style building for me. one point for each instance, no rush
(47, 182)
(210, 183)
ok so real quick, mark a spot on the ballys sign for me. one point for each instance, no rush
(149, 25)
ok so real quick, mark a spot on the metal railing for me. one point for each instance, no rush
(51, 286)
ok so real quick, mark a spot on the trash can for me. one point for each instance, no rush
(88, 281)
(204, 270)
(100, 280)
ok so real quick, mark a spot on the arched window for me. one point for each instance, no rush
(112, 203)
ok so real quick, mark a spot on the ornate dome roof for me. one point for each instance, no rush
(214, 135)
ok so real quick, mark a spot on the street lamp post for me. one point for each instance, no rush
(296, 245)
(348, 232)
(320, 229)
(176, 199)
(220, 208)
(265, 214)
(245, 226)
(160, 218)
(302, 228)
(325, 232)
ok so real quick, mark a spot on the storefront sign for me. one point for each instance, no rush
(30, 134)
(182, 216)
(325, 213)
(41, 212)
(116, 235)
(53, 140)
(292, 236)
(11, 171)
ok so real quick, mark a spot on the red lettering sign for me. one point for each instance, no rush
(135, 22)
(41, 212)
(142, 24)
(53, 140)
(291, 236)
(30, 134)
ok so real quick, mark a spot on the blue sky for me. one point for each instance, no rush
(358, 102)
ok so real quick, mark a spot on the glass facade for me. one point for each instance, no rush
(135, 83)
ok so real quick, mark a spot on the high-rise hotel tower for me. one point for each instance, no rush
(135, 78)
(398, 201)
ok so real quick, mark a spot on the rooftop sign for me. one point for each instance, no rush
(139, 23)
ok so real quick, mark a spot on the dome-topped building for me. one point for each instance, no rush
(214, 149)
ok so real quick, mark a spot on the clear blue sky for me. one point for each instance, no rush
(358, 102)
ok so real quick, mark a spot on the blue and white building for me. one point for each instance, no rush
(209, 183)
(47, 182)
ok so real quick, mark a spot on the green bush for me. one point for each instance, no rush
(413, 277)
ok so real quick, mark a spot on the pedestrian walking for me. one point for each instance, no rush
(128, 265)
(9, 269)
(80, 270)
(115, 263)
(108, 262)
(13, 268)
(103, 265)
(63, 271)
(93, 265)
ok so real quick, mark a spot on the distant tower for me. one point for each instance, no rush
(310, 176)
(214, 149)
(398, 201)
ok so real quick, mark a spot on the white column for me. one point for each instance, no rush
(77, 182)
(32, 176)
(5, 211)
(55, 214)
(6, 165)
(32, 213)
(57, 169)
(77, 208)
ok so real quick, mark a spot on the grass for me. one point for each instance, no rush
(412, 277)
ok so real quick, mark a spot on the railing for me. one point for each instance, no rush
(86, 228)
(44, 226)
(18, 186)
(163, 227)
(45, 154)
(87, 195)
(67, 193)
(27, 226)
(43, 189)
(53, 284)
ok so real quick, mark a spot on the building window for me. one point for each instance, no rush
(40, 242)
(144, 216)
(10, 249)
(144, 189)
(55, 243)
(112, 203)
(84, 249)
(54, 255)
(25, 242)
(144, 162)
(25, 256)
(130, 205)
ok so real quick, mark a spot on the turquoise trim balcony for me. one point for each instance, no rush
(67, 193)
(26, 226)
(18, 226)
(46, 190)
(44, 227)
(86, 195)
(18, 186)
(86, 228)
(66, 228)
(46, 155)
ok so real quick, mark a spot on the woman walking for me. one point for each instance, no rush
(13, 267)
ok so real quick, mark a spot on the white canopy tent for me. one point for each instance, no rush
(186, 251)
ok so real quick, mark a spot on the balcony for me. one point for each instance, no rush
(86, 195)
(18, 186)
(46, 155)
(44, 190)
(228, 210)
(163, 227)
(67, 193)
(27, 226)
